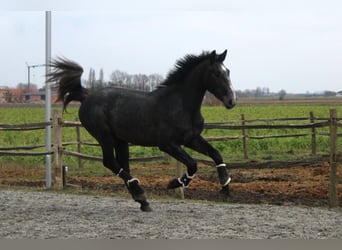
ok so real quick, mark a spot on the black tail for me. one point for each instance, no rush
(67, 75)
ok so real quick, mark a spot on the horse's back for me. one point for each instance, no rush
(123, 113)
(141, 118)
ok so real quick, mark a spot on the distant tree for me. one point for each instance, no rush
(282, 94)
(154, 80)
(240, 93)
(24, 86)
(118, 78)
(328, 93)
(136, 81)
(266, 91)
(140, 80)
(258, 92)
(100, 82)
(91, 79)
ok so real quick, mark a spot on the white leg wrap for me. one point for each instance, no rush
(121, 169)
(221, 165)
(188, 176)
(229, 179)
(180, 182)
(227, 182)
(133, 179)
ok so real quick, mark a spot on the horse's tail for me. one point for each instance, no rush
(67, 76)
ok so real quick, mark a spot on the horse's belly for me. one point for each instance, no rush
(140, 140)
(139, 134)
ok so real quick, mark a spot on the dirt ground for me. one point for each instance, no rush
(269, 201)
(298, 184)
(51, 215)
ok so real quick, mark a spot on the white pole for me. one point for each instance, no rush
(47, 99)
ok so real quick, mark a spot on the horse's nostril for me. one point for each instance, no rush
(229, 102)
(232, 103)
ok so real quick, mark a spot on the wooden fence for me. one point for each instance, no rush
(311, 124)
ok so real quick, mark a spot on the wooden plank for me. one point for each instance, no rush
(71, 124)
(24, 127)
(265, 126)
(83, 156)
(313, 135)
(244, 137)
(223, 138)
(259, 137)
(28, 147)
(58, 165)
(79, 146)
(15, 153)
(97, 158)
(333, 195)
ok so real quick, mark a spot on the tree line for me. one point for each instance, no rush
(148, 83)
(120, 78)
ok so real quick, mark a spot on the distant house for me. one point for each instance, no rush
(19, 95)
(4, 94)
(34, 96)
(8, 94)
(339, 94)
(38, 96)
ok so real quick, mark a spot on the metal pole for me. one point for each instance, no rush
(47, 99)
(28, 78)
(29, 73)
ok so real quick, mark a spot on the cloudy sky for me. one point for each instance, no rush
(294, 45)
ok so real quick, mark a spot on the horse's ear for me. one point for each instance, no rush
(222, 56)
(213, 56)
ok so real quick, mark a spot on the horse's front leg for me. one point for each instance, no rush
(179, 154)
(200, 145)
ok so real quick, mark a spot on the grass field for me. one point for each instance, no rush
(259, 150)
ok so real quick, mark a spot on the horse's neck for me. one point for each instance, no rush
(190, 90)
(193, 91)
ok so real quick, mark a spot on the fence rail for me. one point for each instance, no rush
(23, 127)
(243, 125)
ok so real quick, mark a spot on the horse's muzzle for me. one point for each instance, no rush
(229, 102)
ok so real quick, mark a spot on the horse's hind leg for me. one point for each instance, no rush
(111, 163)
(122, 157)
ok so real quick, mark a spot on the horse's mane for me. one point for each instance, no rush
(183, 66)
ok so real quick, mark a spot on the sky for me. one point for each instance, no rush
(295, 45)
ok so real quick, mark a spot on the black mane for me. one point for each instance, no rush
(183, 66)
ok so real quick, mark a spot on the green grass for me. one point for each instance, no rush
(269, 149)
(266, 149)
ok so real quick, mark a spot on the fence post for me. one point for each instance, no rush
(78, 137)
(333, 196)
(244, 137)
(57, 145)
(179, 173)
(313, 135)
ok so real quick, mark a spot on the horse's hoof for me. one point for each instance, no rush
(174, 183)
(144, 205)
(225, 193)
(146, 208)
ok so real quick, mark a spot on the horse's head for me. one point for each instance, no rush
(218, 80)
